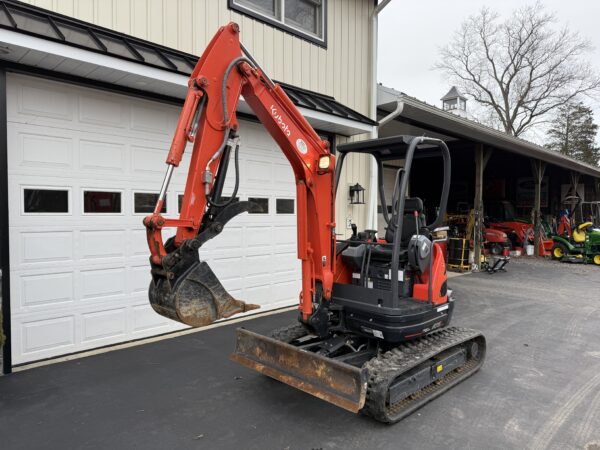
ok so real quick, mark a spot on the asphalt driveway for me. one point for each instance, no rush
(539, 387)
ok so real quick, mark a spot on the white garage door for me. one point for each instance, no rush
(81, 165)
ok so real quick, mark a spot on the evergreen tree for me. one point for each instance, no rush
(573, 133)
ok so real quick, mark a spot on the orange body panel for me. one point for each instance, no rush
(421, 290)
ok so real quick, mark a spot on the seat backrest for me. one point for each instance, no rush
(409, 224)
(579, 232)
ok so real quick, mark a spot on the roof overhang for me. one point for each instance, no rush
(28, 50)
(431, 118)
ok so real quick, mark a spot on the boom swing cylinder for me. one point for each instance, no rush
(183, 287)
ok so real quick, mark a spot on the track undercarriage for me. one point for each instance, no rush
(385, 381)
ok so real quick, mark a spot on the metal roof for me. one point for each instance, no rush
(435, 119)
(390, 148)
(41, 23)
(453, 93)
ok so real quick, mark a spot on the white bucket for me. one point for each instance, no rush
(529, 250)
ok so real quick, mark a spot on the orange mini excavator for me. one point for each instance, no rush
(372, 331)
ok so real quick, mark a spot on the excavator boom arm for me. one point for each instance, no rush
(208, 120)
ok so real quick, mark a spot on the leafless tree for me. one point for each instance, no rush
(521, 68)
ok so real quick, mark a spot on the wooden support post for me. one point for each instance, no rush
(575, 178)
(482, 157)
(538, 168)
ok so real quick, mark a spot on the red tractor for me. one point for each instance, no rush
(496, 241)
(500, 215)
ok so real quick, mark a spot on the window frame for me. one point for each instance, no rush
(46, 188)
(144, 191)
(102, 214)
(281, 25)
(261, 197)
(293, 208)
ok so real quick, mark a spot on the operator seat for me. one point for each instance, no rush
(409, 223)
(409, 228)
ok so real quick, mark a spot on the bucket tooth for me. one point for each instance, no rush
(197, 298)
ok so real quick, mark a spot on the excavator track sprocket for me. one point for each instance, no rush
(405, 378)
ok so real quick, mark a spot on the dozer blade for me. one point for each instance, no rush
(330, 380)
(197, 298)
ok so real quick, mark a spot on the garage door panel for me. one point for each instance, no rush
(285, 262)
(139, 245)
(283, 175)
(230, 237)
(281, 291)
(259, 295)
(102, 243)
(151, 118)
(79, 280)
(46, 289)
(97, 155)
(97, 111)
(258, 236)
(100, 325)
(148, 160)
(257, 265)
(39, 150)
(139, 279)
(36, 101)
(48, 247)
(102, 282)
(226, 268)
(254, 137)
(147, 322)
(47, 335)
(258, 173)
(283, 234)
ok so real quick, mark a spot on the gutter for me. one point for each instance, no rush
(372, 211)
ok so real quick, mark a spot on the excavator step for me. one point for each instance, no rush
(335, 382)
(388, 387)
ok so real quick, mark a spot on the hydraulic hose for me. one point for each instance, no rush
(226, 133)
(237, 181)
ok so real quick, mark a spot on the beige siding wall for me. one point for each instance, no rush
(341, 70)
(356, 170)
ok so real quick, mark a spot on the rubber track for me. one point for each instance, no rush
(389, 366)
(290, 332)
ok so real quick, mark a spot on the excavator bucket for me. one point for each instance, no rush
(197, 298)
(330, 380)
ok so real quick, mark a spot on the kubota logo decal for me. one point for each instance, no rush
(280, 121)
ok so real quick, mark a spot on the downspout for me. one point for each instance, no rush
(372, 211)
(395, 113)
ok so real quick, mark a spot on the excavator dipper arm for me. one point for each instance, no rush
(183, 287)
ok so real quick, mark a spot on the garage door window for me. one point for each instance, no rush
(221, 200)
(45, 201)
(101, 202)
(144, 203)
(262, 202)
(284, 206)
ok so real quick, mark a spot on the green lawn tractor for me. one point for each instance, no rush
(580, 246)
